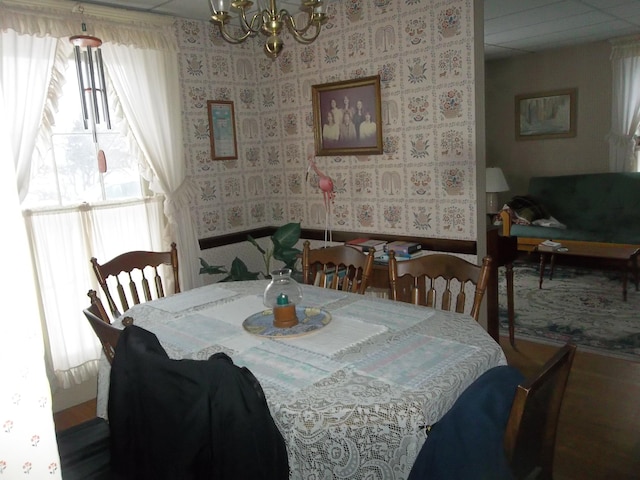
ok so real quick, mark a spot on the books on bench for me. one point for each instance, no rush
(384, 258)
(403, 248)
(549, 246)
(366, 244)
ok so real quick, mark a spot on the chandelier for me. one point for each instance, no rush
(269, 21)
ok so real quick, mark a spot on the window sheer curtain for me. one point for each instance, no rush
(147, 84)
(28, 442)
(62, 242)
(625, 116)
(62, 271)
(27, 71)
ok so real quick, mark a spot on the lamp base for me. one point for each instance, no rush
(492, 203)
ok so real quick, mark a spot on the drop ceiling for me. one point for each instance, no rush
(512, 27)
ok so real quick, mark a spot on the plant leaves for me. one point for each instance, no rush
(285, 254)
(253, 241)
(211, 269)
(286, 236)
(239, 271)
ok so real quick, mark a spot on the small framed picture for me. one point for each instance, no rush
(546, 115)
(347, 117)
(222, 130)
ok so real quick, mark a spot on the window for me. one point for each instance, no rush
(67, 173)
(74, 212)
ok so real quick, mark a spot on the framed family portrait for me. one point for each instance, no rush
(222, 130)
(546, 115)
(347, 117)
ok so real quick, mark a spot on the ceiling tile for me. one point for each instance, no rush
(524, 25)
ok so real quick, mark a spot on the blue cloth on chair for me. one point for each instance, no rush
(467, 443)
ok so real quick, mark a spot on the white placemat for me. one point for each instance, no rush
(320, 297)
(413, 359)
(192, 298)
(286, 366)
(236, 311)
(341, 333)
(394, 315)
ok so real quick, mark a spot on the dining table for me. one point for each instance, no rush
(352, 388)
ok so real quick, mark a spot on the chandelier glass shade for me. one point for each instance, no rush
(269, 21)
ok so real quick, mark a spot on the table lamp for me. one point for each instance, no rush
(495, 183)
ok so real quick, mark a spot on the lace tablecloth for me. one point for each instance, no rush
(350, 399)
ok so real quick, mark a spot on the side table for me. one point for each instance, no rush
(503, 251)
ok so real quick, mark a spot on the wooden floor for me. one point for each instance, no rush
(599, 431)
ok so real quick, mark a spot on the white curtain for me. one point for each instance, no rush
(30, 78)
(62, 241)
(26, 68)
(147, 85)
(28, 442)
(625, 115)
(26, 71)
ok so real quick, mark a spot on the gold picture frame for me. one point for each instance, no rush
(359, 132)
(546, 115)
(222, 130)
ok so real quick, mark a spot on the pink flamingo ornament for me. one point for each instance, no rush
(326, 185)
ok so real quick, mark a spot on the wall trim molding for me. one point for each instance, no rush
(468, 247)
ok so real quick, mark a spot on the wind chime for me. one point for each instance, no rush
(91, 83)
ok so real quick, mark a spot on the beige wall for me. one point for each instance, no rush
(423, 184)
(586, 68)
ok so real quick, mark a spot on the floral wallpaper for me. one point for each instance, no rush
(424, 182)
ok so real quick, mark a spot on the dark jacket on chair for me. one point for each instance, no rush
(468, 442)
(188, 419)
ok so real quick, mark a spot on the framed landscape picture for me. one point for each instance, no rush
(222, 130)
(546, 115)
(347, 117)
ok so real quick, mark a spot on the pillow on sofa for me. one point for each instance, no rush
(528, 208)
(549, 222)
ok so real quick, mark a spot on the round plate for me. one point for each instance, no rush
(309, 320)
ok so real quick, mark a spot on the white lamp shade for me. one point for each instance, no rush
(496, 181)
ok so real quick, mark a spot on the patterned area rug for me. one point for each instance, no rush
(580, 305)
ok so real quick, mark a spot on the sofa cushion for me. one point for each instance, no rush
(598, 207)
(557, 234)
(589, 201)
(628, 234)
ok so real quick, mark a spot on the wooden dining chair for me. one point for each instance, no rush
(99, 321)
(503, 426)
(339, 267)
(137, 269)
(97, 307)
(425, 272)
(530, 435)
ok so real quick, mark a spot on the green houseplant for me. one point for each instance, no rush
(283, 249)
(284, 240)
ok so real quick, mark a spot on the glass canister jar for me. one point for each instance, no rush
(282, 295)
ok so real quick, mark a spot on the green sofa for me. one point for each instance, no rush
(595, 208)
